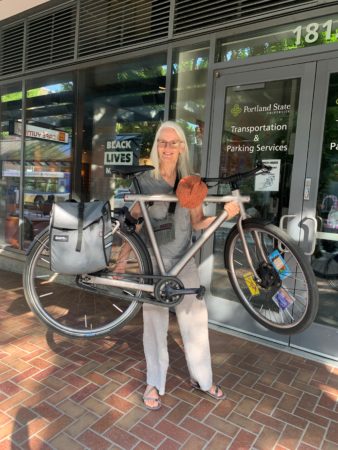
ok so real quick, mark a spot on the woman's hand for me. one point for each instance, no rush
(232, 208)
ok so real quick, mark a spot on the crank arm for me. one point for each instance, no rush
(198, 291)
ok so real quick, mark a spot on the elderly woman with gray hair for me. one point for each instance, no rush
(170, 158)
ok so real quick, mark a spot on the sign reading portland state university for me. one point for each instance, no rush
(259, 126)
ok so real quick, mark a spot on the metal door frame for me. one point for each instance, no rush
(318, 339)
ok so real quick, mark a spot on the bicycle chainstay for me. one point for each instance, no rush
(168, 290)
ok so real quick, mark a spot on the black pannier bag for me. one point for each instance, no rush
(80, 237)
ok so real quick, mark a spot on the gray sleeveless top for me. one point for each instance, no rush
(172, 231)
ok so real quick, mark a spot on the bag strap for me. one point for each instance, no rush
(172, 205)
(80, 214)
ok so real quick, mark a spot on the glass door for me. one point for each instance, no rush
(322, 201)
(258, 115)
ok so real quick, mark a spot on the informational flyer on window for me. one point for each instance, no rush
(269, 182)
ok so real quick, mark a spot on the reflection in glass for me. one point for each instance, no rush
(259, 124)
(293, 36)
(10, 169)
(325, 258)
(124, 104)
(48, 149)
(188, 94)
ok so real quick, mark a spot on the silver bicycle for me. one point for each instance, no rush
(269, 274)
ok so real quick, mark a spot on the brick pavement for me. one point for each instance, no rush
(57, 393)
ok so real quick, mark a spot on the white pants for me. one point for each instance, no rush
(192, 317)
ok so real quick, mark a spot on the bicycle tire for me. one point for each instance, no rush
(331, 271)
(78, 312)
(290, 304)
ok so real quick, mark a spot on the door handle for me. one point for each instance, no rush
(281, 225)
(282, 219)
(286, 216)
(315, 221)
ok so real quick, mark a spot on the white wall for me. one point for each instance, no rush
(10, 8)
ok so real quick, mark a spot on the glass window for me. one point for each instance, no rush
(123, 106)
(48, 148)
(10, 167)
(325, 258)
(188, 95)
(259, 124)
(321, 31)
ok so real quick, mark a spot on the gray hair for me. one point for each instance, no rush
(183, 165)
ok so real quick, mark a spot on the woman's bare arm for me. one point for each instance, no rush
(200, 222)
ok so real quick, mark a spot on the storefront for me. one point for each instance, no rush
(243, 89)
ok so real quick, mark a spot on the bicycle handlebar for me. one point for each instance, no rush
(260, 168)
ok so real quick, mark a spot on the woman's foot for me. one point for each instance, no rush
(151, 398)
(215, 391)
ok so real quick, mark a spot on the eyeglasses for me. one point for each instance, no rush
(171, 144)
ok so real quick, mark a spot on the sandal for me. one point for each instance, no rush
(147, 398)
(215, 394)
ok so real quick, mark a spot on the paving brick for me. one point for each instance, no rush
(81, 424)
(129, 419)
(178, 412)
(332, 434)
(246, 406)
(266, 439)
(223, 426)
(169, 444)
(289, 418)
(322, 421)
(121, 437)
(94, 441)
(198, 428)
(245, 423)
(194, 443)
(288, 403)
(106, 421)
(243, 440)
(314, 435)
(62, 441)
(177, 433)
(269, 421)
(290, 437)
(219, 442)
(119, 403)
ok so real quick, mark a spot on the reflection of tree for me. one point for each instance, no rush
(329, 163)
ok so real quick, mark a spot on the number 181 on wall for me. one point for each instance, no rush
(310, 33)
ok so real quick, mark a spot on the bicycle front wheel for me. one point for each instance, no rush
(285, 299)
(83, 311)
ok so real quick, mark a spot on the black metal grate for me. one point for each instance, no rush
(51, 38)
(107, 25)
(11, 49)
(193, 16)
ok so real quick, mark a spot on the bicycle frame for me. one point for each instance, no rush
(175, 270)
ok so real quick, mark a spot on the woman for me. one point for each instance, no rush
(170, 157)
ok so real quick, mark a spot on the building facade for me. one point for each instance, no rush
(246, 79)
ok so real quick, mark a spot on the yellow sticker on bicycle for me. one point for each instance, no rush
(251, 283)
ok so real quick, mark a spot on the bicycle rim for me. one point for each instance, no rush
(61, 304)
(289, 304)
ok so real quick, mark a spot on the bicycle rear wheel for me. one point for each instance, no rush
(286, 298)
(82, 311)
